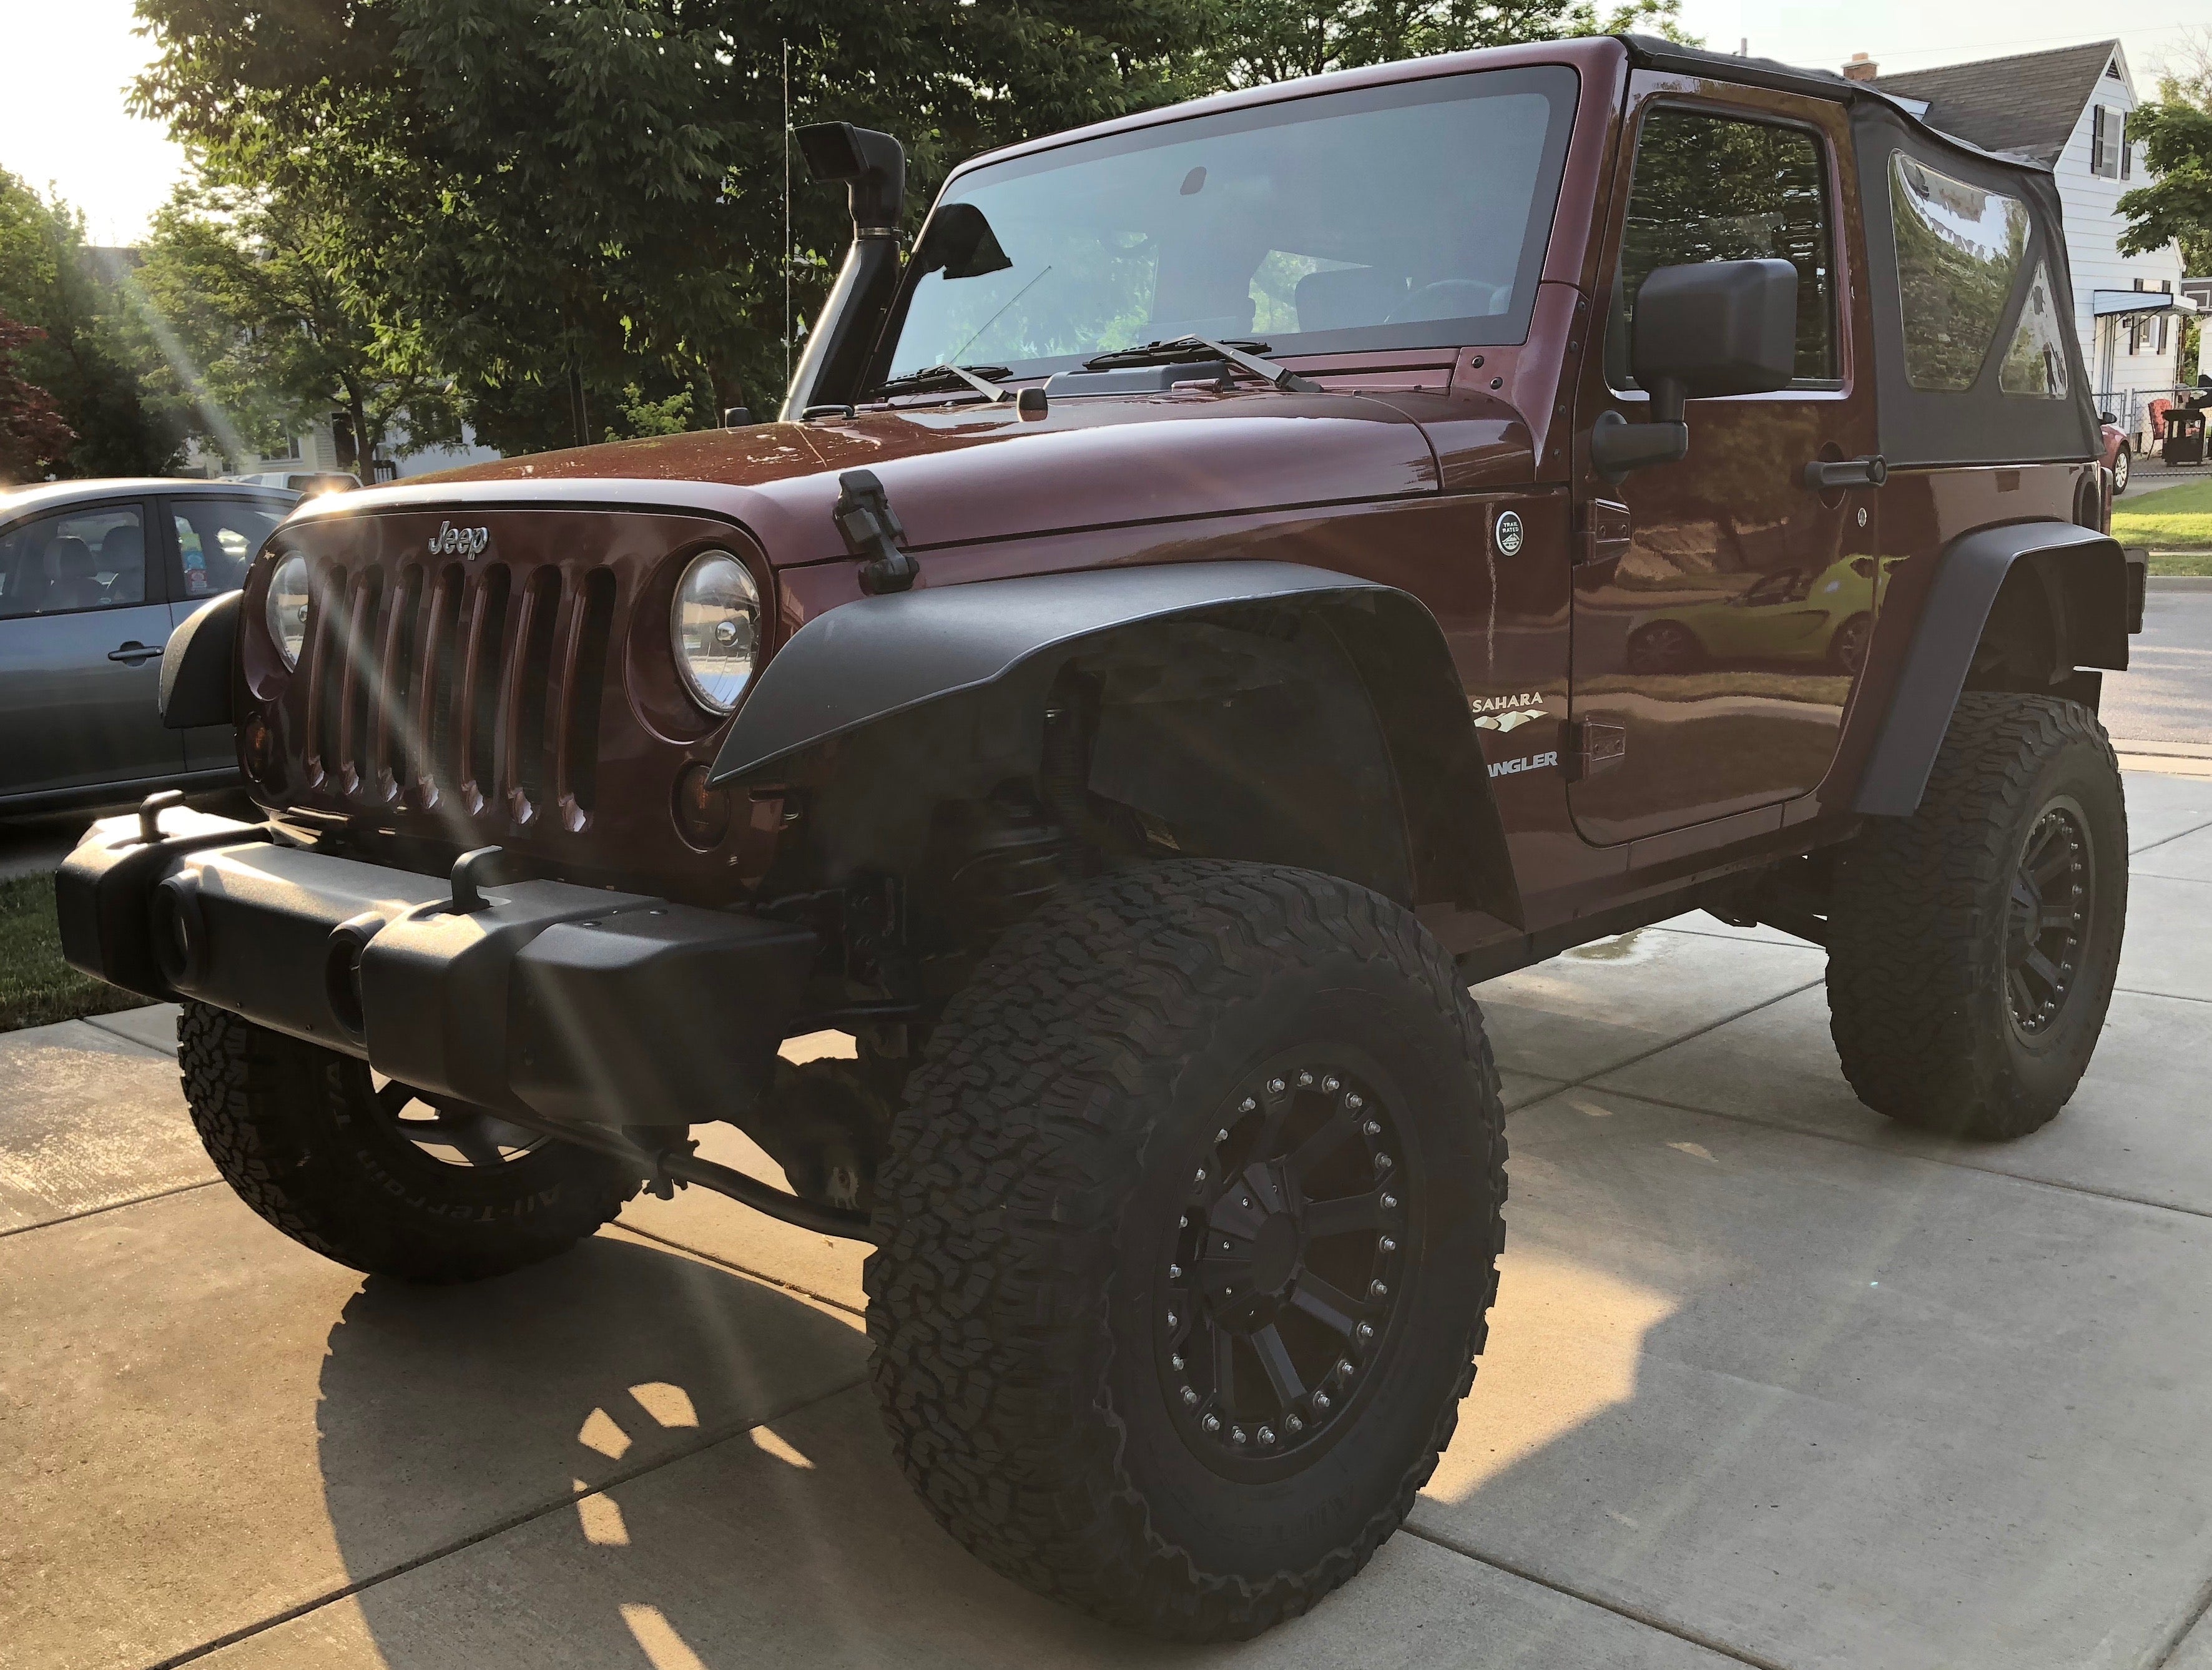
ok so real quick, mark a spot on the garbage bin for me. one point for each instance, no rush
(2185, 437)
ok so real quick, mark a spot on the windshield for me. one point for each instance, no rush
(1413, 215)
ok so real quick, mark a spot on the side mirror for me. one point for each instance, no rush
(1703, 331)
(2106, 417)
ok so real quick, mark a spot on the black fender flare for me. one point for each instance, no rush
(2084, 575)
(196, 666)
(871, 659)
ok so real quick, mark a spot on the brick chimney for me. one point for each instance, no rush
(1861, 68)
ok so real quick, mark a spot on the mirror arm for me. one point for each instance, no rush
(1618, 447)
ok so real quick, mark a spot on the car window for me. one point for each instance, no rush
(1958, 249)
(92, 557)
(1352, 219)
(1710, 188)
(216, 538)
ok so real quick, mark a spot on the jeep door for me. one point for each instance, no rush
(82, 620)
(1704, 680)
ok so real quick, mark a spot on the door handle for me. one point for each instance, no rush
(1824, 475)
(133, 652)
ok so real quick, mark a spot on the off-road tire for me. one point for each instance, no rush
(294, 1131)
(1920, 1009)
(1046, 1139)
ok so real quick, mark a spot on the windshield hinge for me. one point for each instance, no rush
(872, 531)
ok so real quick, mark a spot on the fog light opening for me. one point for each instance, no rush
(701, 810)
(342, 971)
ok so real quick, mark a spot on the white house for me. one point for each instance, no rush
(2068, 109)
(316, 448)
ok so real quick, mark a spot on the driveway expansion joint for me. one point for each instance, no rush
(708, 1439)
(1633, 1614)
(746, 1271)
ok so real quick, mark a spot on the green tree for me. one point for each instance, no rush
(1271, 41)
(2175, 206)
(579, 199)
(261, 315)
(73, 295)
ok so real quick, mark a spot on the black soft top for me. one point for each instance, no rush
(1975, 425)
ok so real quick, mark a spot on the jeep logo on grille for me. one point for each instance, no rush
(450, 541)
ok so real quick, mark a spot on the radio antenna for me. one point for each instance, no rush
(786, 215)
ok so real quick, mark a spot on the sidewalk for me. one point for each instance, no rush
(1771, 1382)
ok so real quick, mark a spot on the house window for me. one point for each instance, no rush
(289, 454)
(2136, 327)
(2108, 139)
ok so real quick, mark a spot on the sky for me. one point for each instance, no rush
(63, 122)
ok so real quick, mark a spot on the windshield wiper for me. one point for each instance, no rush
(1244, 355)
(938, 376)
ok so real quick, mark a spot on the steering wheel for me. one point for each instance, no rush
(1449, 298)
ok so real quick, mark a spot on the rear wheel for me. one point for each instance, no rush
(2120, 471)
(373, 1176)
(1973, 947)
(1187, 1238)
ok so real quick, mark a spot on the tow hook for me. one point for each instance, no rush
(149, 813)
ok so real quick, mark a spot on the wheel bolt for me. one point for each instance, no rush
(1174, 1273)
(1373, 1128)
(1176, 1362)
(1365, 1332)
(1294, 1423)
(1353, 1101)
(1378, 1288)
(1246, 1201)
(1332, 1083)
(1382, 1162)
(1266, 1435)
(1274, 1087)
(1247, 1105)
(1389, 1203)
(1221, 1136)
(1212, 1423)
(1172, 1319)
(1202, 1174)
(1321, 1401)
(1236, 1435)
(1344, 1368)
(1388, 1245)
(1189, 1397)
(1304, 1079)
(1225, 1246)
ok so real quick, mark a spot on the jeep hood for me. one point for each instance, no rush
(963, 473)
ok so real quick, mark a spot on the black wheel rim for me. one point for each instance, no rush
(2053, 891)
(452, 1132)
(1290, 1266)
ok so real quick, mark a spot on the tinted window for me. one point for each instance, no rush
(1958, 249)
(90, 558)
(216, 538)
(1711, 189)
(1383, 216)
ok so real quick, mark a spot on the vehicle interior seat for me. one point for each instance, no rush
(123, 558)
(76, 584)
(1344, 298)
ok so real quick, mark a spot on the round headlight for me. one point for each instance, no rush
(288, 608)
(715, 628)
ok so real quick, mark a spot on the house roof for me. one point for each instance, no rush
(2029, 103)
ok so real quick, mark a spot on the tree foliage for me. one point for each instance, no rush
(33, 437)
(261, 318)
(2176, 207)
(73, 301)
(1271, 41)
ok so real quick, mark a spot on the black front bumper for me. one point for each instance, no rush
(573, 1004)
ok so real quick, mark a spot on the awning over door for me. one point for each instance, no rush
(2107, 303)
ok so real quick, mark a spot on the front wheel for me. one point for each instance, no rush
(2120, 465)
(1973, 947)
(1187, 1241)
(373, 1176)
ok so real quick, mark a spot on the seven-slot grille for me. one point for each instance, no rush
(435, 688)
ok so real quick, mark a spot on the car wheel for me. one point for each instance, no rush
(1662, 646)
(2120, 460)
(373, 1175)
(1187, 1238)
(1848, 650)
(1972, 946)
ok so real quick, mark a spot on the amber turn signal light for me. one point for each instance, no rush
(701, 810)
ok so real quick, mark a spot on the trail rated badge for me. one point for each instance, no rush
(1509, 533)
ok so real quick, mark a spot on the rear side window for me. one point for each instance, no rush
(216, 538)
(2035, 363)
(1958, 249)
(92, 558)
(1711, 188)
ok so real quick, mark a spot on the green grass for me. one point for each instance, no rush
(2173, 519)
(36, 987)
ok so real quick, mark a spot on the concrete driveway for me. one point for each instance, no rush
(1771, 1382)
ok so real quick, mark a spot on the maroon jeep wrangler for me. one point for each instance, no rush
(1249, 571)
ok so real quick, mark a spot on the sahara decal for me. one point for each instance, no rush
(1505, 713)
